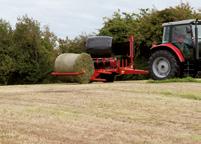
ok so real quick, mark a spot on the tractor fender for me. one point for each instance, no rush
(170, 47)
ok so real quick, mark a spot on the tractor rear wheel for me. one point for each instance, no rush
(163, 65)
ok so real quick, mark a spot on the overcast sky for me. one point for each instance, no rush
(73, 17)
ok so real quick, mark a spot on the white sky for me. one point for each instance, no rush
(73, 17)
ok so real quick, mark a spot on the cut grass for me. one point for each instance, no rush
(184, 93)
(197, 138)
(173, 80)
(187, 95)
(121, 112)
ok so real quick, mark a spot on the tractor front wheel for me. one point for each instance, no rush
(163, 65)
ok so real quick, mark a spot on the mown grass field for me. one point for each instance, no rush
(117, 113)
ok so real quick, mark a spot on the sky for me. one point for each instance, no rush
(74, 17)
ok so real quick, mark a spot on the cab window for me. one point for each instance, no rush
(166, 34)
(184, 31)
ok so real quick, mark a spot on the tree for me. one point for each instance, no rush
(145, 25)
(47, 53)
(6, 60)
(119, 26)
(34, 51)
(76, 45)
(149, 22)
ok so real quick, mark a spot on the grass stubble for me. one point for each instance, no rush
(120, 112)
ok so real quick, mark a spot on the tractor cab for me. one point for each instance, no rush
(186, 36)
(180, 51)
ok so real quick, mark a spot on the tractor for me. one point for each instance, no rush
(180, 52)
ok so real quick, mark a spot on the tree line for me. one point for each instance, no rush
(27, 51)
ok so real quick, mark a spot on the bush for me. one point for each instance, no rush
(27, 53)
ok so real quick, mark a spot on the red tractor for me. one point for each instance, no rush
(180, 51)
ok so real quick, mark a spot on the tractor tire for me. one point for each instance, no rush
(163, 65)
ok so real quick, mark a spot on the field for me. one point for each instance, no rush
(116, 113)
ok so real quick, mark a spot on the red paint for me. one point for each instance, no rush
(127, 70)
(113, 62)
(173, 48)
(66, 73)
(131, 40)
(120, 70)
(126, 62)
(97, 73)
(122, 63)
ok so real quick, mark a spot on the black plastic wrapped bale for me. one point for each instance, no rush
(70, 62)
(99, 46)
(121, 48)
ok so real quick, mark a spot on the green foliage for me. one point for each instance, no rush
(150, 22)
(34, 51)
(26, 53)
(26, 39)
(47, 55)
(6, 60)
(119, 26)
(6, 67)
(146, 25)
(76, 45)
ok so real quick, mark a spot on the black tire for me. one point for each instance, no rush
(109, 78)
(163, 65)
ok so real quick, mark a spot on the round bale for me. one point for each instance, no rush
(70, 62)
